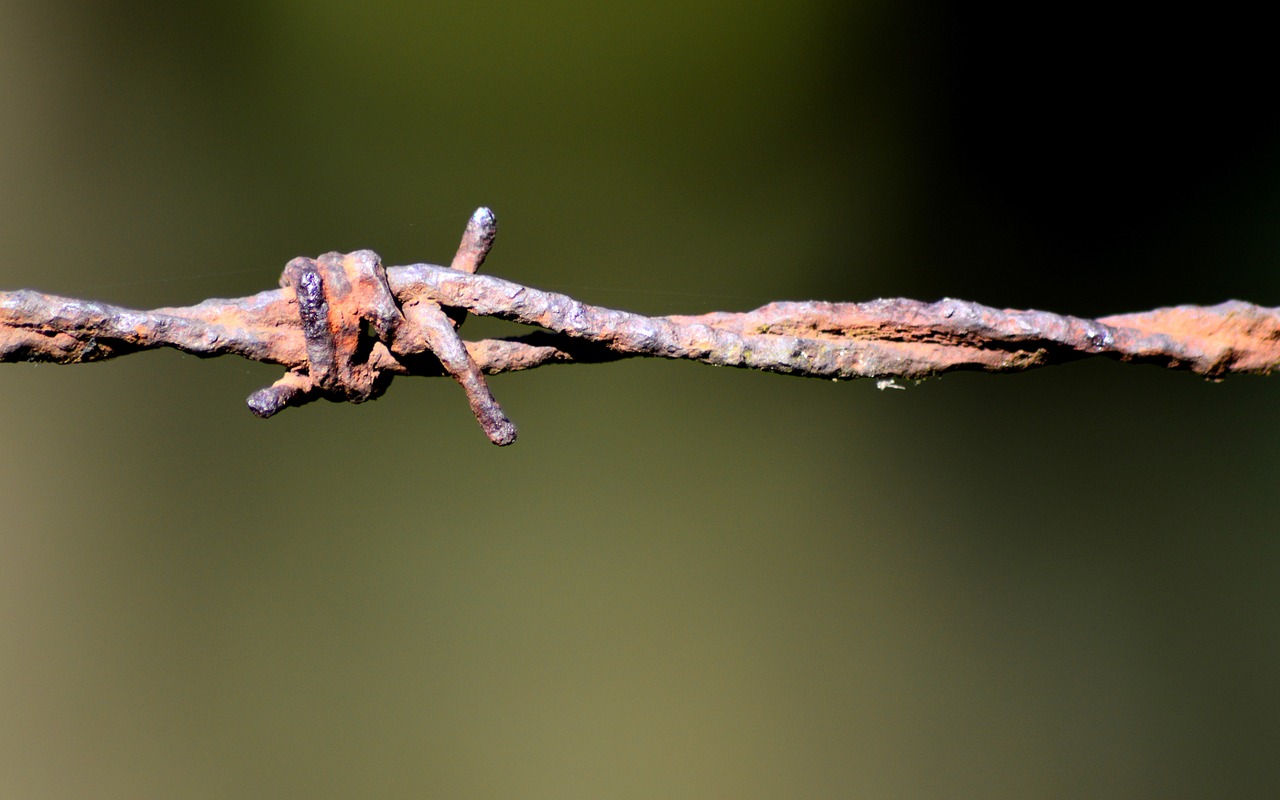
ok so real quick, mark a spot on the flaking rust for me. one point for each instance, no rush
(1230, 337)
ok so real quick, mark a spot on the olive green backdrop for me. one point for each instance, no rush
(681, 582)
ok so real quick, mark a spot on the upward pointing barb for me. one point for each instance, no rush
(477, 239)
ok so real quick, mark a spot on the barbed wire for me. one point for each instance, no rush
(344, 326)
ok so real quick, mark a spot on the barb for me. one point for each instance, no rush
(344, 327)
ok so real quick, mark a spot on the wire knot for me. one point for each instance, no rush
(357, 334)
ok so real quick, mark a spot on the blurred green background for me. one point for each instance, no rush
(681, 581)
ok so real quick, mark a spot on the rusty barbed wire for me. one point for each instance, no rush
(344, 327)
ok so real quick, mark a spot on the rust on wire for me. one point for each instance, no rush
(344, 326)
